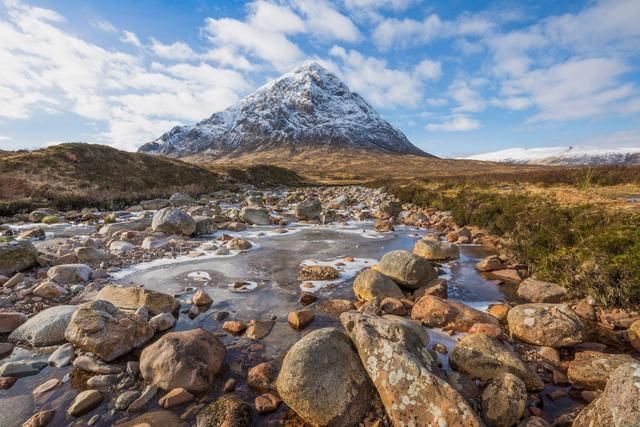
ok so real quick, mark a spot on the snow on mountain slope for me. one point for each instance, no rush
(574, 155)
(308, 107)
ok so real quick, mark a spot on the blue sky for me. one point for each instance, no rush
(458, 77)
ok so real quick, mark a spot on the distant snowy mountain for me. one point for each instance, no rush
(308, 107)
(575, 155)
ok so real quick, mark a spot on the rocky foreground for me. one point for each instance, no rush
(121, 358)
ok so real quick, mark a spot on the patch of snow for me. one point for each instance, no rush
(572, 155)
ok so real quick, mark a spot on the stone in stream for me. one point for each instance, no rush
(45, 328)
(163, 321)
(407, 269)
(101, 328)
(227, 411)
(504, 401)
(157, 418)
(255, 215)
(434, 250)
(46, 386)
(370, 284)
(95, 366)
(239, 244)
(131, 298)
(234, 327)
(532, 290)
(33, 234)
(590, 370)
(188, 359)
(619, 404)
(6, 349)
(261, 376)
(173, 221)
(201, 298)
(85, 402)
(69, 273)
(16, 256)
(40, 418)
(322, 380)
(308, 209)
(258, 329)
(551, 325)
(388, 209)
(21, 368)
(175, 397)
(62, 356)
(267, 403)
(300, 319)
(405, 374)
(204, 225)
(509, 275)
(490, 263)
(441, 313)
(437, 288)
(103, 380)
(147, 394)
(485, 357)
(9, 321)
(126, 399)
(137, 225)
(318, 272)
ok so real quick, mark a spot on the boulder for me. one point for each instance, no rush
(261, 376)
(89, 254)
(339, 203)
(173, 221)
(443, 313)
(204, 225)
(322, 380)
(533, 290)
(101, 328)
(239, 244)
(136, 225)
(508, 275)
(407, 269)
(69, 273)
(434, 250)
(163, 321)
(388, 209)
(33, 234)
(308, 209)
(370, 284)
(619, 404)
(255, 216)
(405, 374)
(504, 401)
(181, 199)
(17, 256)
(187, 359)
(490, 263)
(227, 411)
(132, 298)
(485, 357)
(590, 370)
(551, 325)
(45, 328)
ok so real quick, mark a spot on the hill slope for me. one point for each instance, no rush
(308, 108)
(574, 155)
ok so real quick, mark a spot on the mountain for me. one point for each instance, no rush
(309, 107)
(566, 156)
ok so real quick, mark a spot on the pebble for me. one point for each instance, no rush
(175, 397)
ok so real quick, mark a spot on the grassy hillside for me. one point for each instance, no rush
(77, 175)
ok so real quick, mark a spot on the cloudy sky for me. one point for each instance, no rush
(458, 77)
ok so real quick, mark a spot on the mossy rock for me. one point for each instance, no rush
(51, 219)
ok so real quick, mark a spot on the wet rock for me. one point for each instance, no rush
(507, 275)
(234, 327)
(308, 209)
(552, 325)
(40, 419)
(334, 307)
(69, 273)
(145, 397)
(267, 403)
(16, 256)
(370, 284)
(405, 374)
(161, 322)
(490, 263)
(45, 328)
(434, 250)
(89, 254)
(106, 331)
(173, 221)
(201, 298)
(125, 399)
(532, 290)
(382, 226)
(236, 226)
(227, 411)
(239, 244)
(504, 401)
(131, 298)
(258, 329)
(318, 272)
(90, 364)
(261, 376)
(85, 402)
(440, 313)
(175, 397)
(103, 380)
(21, 368)
(33, 234)
(137, 225)
(485, 357)
(324, 361)
(590, 370)
(7, 382)
(62, 356)
(255, 215)
(307, 298)
(619, 404)
(9, 321)
(189, 359)
(300, 319)
(407, 269)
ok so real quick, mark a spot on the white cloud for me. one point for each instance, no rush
(468, 99)
(456, 123)
(130, 38)
(275, 18)
(5, 138)
(105, 26)
(175, 51)
(397, 5)
(428, 69)
(326, 22)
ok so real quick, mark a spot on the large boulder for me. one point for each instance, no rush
(204, 225)
(407, 269)
(69, 273)
(173, 221)
(504, 401)
(388, 209)
(533, 290)
(619, 404)
(406, 375)
(227, 411)
(17, 256)
(436, 312)
(45, 328)
(551, 325)
(590, 370)
(132, 298)
(106, 331)
(434, 250)
(485, 357)
(370, 284)
(255, 216)
(187, 359)
(308, 209)
(323, 381)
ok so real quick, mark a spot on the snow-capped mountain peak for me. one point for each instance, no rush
(570, 155)
(307, 107)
